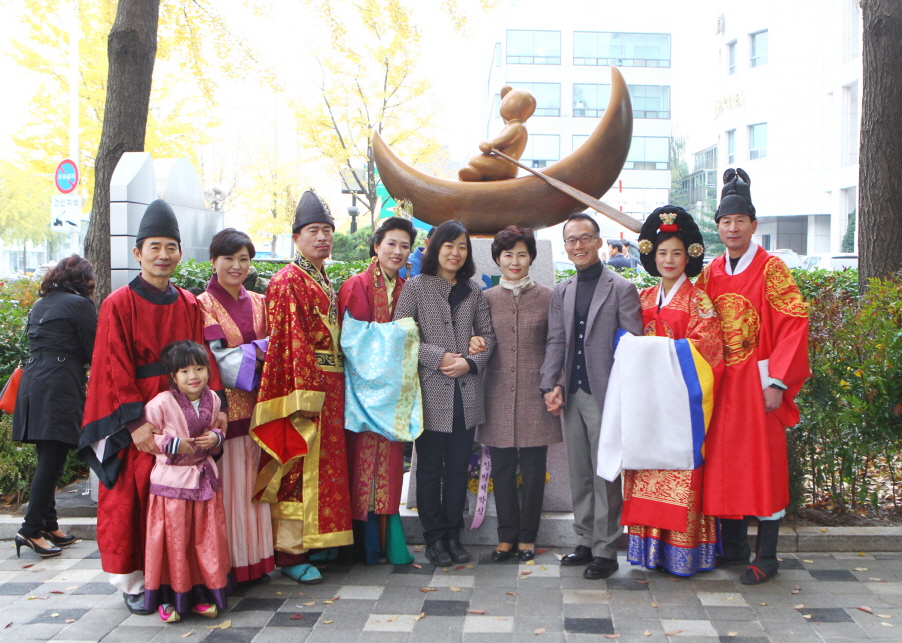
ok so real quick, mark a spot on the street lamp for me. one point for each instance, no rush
(353, 211)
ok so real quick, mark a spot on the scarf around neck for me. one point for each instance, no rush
(517, 286)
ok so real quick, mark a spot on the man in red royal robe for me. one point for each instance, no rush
(765, 330)
(135, 323)
(299, 417)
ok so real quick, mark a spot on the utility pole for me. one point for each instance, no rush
(74, 80)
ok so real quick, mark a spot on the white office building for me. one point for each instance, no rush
(562, 54)
(787, 111)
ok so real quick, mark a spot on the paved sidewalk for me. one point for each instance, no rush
(68, 599)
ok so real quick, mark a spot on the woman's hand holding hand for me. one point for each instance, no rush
(143, 438)
(477, 345)
(458, 368)
(448, 359)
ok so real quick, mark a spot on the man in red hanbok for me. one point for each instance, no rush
(765, 327)
(298, 420)
(134, 324)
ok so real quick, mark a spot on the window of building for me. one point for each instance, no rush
(649, 101)
(850, 125)
(758, 47)
(648, 153)
(497, 55)
(851, 30)
(541, 149)
(622, 49)
(579, 139)
(758, 141)
(731, 147)
(533, 47)
(731, 57)
(548, 97)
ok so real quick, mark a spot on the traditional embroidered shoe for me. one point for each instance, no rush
(205, 609)
(304, 573)
(168, 614)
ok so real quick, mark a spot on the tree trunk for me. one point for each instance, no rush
(880, 200)
(132, 48)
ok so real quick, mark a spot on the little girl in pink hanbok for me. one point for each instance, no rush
(186, 550)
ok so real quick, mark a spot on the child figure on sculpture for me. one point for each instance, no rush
(186, 549)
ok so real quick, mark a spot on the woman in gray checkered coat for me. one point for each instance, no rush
(450, 309)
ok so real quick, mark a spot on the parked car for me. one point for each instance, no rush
(838, 261)
(789, 257)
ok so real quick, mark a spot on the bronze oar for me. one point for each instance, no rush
(625, 220)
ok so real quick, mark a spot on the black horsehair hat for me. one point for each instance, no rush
(311, 209)
(664, 223)
(736, 195)
(158, 221)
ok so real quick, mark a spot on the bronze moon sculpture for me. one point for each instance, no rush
(487, 207)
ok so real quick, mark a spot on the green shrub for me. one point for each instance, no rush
(196, 274)
(16, 301)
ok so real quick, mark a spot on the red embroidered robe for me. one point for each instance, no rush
(304, 467)
(763, 317)
(372, 459)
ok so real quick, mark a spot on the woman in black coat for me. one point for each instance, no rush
(51, 398)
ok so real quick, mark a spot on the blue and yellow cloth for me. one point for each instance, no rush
(382, 388)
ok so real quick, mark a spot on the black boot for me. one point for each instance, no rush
(765, 564)
(734, 543)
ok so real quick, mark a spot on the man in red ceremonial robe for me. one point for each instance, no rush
(765, 329)
(299, 417)
(135, 323)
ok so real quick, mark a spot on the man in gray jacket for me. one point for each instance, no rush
(585, 313)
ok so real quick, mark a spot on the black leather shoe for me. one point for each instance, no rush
(600, 568)
(458, 553)
(580, 556)
(59, 541)
(43, 552)
(526, 554)
(438, 554)
(499, 555)
(135, 604)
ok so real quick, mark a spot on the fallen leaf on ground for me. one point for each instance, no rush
(458, 568)
(37, 598)
(543, 550)
(27, 566)
(511, 593)
(525, 572)
(301, 594)
(295, 617)
(335, 598)
(796, 590)
(500, 618)
(540, 630)
(825, 530)
(419, 616)
(426, 590)
(884, 615)
(675, 580)
(445, 569)
(470, 567)
(647, 632)
(187, 634)
(643, 582)
(654, 604)
(8, 625)
(530, 562)
(672, 632)
(278, 593)
(613, 636)
(56, 591)
(861, 569)
(807, 561)
(559, 556)
(865, 608)
(763, 604)
(732, 633)
(476, 611)
(418, 549)
(417, 566)
(328, 622)
(861, 553)
(328, 602)
(391, 619)
(887, 624)
(453, 588)
(543, 567)
(806, 615)
(309, 603)
(54, 615)
(801, 605)
(876, 580)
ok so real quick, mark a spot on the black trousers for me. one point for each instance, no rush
(41, 514)
(442, 463)
(518, 524)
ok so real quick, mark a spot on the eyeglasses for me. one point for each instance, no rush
(572, 241)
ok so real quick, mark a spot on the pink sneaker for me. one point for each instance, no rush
(205, 609)
(168, 614)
